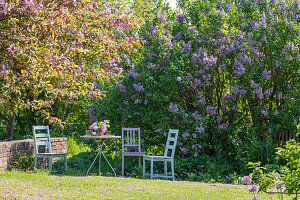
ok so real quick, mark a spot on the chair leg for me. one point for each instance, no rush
(139, 161)
(50, 164)
(172, 168)
(35, 162)
(166, 170)
(151, 169)
(66, 163)
(122, 165)
(144, 166)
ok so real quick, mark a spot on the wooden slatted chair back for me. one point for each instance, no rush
(131, 137)
(171, 143)
(39, 135)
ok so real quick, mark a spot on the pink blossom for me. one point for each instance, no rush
(253, 188)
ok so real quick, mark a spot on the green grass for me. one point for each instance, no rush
(42, 185)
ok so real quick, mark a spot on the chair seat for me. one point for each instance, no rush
(51, 154)
(134, 153)
(157, 158)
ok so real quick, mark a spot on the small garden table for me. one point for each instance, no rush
(100, 140)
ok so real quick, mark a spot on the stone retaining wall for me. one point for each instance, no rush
(26, 147)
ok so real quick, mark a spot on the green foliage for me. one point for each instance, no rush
(286, 179)
(75, 148)
(22, 162)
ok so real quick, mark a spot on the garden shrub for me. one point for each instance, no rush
(223, 73)
(286, 179)
(22, 162)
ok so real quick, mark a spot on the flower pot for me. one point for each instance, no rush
(101, 133)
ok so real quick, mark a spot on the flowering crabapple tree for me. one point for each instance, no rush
(54, 50)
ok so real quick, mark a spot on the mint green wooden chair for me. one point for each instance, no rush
(40, 132)
(170, 147)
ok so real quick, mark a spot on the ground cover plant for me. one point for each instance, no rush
(22, 185)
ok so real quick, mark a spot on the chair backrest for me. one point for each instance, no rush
(40, 133)
(131, 138)
(171, 143)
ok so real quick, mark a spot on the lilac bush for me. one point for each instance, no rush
(216, 75)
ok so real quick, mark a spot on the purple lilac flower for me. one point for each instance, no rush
(219, 119)
(180, 17)
(254, 198)
(233, 141)
(152, 66)
(262, 22)
(288, 57)
(276, 112)
(235, 90)
(194, 135)
(276, 19)
(200, 129)
(177, 36)
(184, 150)
(228, 97)
(195, 154)
(264, 110)
(189, 76)
(254, 25)
(295, 123)
(173, 107)
(121, 87)
(170, 44)
(266, 74)
(253, 188)
(194, 59)
(158, 130)
(224, 125)
(259, 93)
(179, 144)
(279, 96)
(91, 111)
(162, 18)
(242, 92)
(93, 119)
(221, 31)
(269, 130)
(246, 180)
(178, 79)
(239, 68)
(138, 87)
(93, 127)
(211, 110)
(146, 102)
(187, 47)
(137, 101)
(185, 135)
(269, 91)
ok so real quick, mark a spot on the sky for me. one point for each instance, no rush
(172, 3)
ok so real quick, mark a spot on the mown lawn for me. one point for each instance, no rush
(41, 185)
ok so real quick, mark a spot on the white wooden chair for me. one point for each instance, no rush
(170, 145)
(37, 135)
(131, 140)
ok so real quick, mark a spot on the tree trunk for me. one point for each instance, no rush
(10, 125)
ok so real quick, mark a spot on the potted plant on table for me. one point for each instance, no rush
(99, 128)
